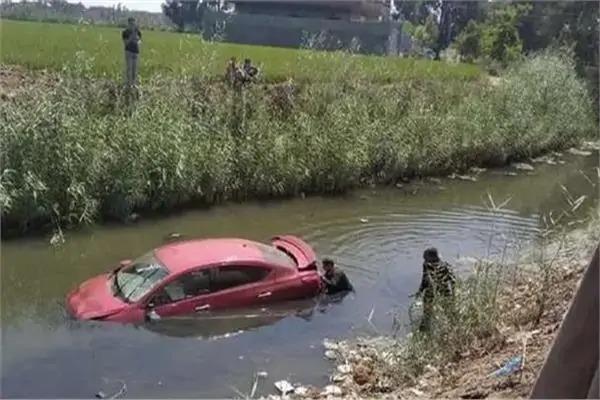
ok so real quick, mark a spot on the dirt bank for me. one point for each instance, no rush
(372, 367)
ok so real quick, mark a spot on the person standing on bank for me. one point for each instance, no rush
(334, 279)
(438, 282)
(132, 37)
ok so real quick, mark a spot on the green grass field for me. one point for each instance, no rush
(52, 46)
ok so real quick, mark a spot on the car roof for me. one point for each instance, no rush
(184, 255)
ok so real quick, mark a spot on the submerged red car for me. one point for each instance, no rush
(199, 275)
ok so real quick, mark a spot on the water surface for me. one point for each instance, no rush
(377, 235)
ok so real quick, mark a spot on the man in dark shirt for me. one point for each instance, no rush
(437, 282)
(250, 71)
(334, 279)
(132, 38)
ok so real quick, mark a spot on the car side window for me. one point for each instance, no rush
(232, 276)
(189, 285)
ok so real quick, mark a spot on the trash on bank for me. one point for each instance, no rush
(331, 390)
(284, 387)
(344, 369)
(330, 345)
(510, 367)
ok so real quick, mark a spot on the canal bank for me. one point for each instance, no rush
(376, 235)
(533, 297)
(76, 152)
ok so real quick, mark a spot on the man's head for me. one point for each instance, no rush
(328, 265)
(131, 21)
(431, 255)
(247, 61)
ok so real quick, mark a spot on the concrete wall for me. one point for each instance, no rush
(571, 367)
(373, 37)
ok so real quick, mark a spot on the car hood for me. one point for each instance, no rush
(94, 299)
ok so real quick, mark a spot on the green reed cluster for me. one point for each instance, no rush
(80, 149)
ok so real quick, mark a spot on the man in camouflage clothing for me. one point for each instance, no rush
(438, 281)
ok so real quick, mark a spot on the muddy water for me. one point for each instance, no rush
(377, 235)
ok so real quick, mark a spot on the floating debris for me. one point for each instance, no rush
(364, 220)
(467, 178)
(338, 378)
(173, 236)
(437, 181)
(463, 177)
(577, 152)
(510, 173)
(522, 166)
(544, 160)
(284, 387)
(101, 395)
(133, 217)
(263, 374)
(477, 170)
(399, 186)
(330, 355)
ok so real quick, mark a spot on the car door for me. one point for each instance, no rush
(185, 294)
(240, 285)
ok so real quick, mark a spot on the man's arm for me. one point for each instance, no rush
(424, 280)
(450, 276)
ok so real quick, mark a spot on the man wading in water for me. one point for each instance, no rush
(132, 38)
(437, 283)
(334, 279)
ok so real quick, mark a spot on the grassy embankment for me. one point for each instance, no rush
(73, 152)
(50, 46)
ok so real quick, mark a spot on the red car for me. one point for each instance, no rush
(199, 275)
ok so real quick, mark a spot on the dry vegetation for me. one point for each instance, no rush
(531, 300)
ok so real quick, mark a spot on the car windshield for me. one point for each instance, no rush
(138, 279)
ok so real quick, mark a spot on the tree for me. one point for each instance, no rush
(184, 12)
(426, 35)
(468, 43)
(500, 39)
(565, 23)
(416, 12)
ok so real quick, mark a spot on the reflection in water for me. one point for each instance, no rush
(44, 356)
(214, 325)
